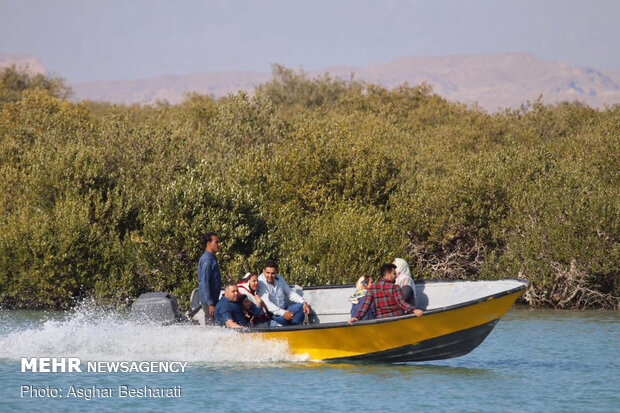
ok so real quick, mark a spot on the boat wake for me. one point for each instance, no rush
(91, 334)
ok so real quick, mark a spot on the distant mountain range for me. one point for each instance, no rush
(493, 81)
(24, 61)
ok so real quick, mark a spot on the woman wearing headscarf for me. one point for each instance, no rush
(405, 281)
(358, 297)
(248, 286)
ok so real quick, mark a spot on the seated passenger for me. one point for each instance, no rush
(286, 305)
(228, 311)
(358, 297)
(405, 281)
(387, 296)
(248, 287)
(251, 312)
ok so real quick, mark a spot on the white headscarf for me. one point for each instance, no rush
(403, 274)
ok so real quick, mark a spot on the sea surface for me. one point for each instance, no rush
(533, 361)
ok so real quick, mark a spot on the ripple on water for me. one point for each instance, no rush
(533, 361)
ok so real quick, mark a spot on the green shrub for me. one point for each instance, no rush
(331, 178)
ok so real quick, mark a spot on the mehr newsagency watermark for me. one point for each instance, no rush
(75, 365)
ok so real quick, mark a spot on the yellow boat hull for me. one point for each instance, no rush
(439, 334)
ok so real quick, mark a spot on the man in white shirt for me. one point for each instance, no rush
(287, 306)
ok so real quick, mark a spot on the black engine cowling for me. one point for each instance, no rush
(157, 308)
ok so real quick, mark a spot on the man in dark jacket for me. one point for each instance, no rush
(228, 311)
(209, 277)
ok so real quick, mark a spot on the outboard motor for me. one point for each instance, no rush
(158, 308)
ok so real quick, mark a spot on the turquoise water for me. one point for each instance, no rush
(534, 360)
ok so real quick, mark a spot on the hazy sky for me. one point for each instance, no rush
(129, 39)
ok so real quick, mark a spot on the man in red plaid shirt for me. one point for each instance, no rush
(387, 296)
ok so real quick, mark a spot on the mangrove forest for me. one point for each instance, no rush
(330, 177)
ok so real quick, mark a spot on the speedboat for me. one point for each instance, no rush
(458, 316)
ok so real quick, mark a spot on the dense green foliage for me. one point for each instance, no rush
(13, 82)
(331, 178)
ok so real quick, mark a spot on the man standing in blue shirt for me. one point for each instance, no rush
(209, 277)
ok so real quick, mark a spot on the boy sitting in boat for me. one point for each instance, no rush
(287, 307)
(387, 297)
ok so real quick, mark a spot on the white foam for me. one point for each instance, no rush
(92, 334)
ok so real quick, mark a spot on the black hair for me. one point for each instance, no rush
(270, 264)
(208, 237)
(387, 268)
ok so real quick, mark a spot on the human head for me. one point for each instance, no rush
(251, 278)
(211, 242)
(231, 292)
(364, 282)
(388, 272)
(402, 268)
(246, 304)
(270, 270)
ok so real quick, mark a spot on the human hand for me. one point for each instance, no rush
(288, 315)
(306, 309)
(352, 320)
(418, 312)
